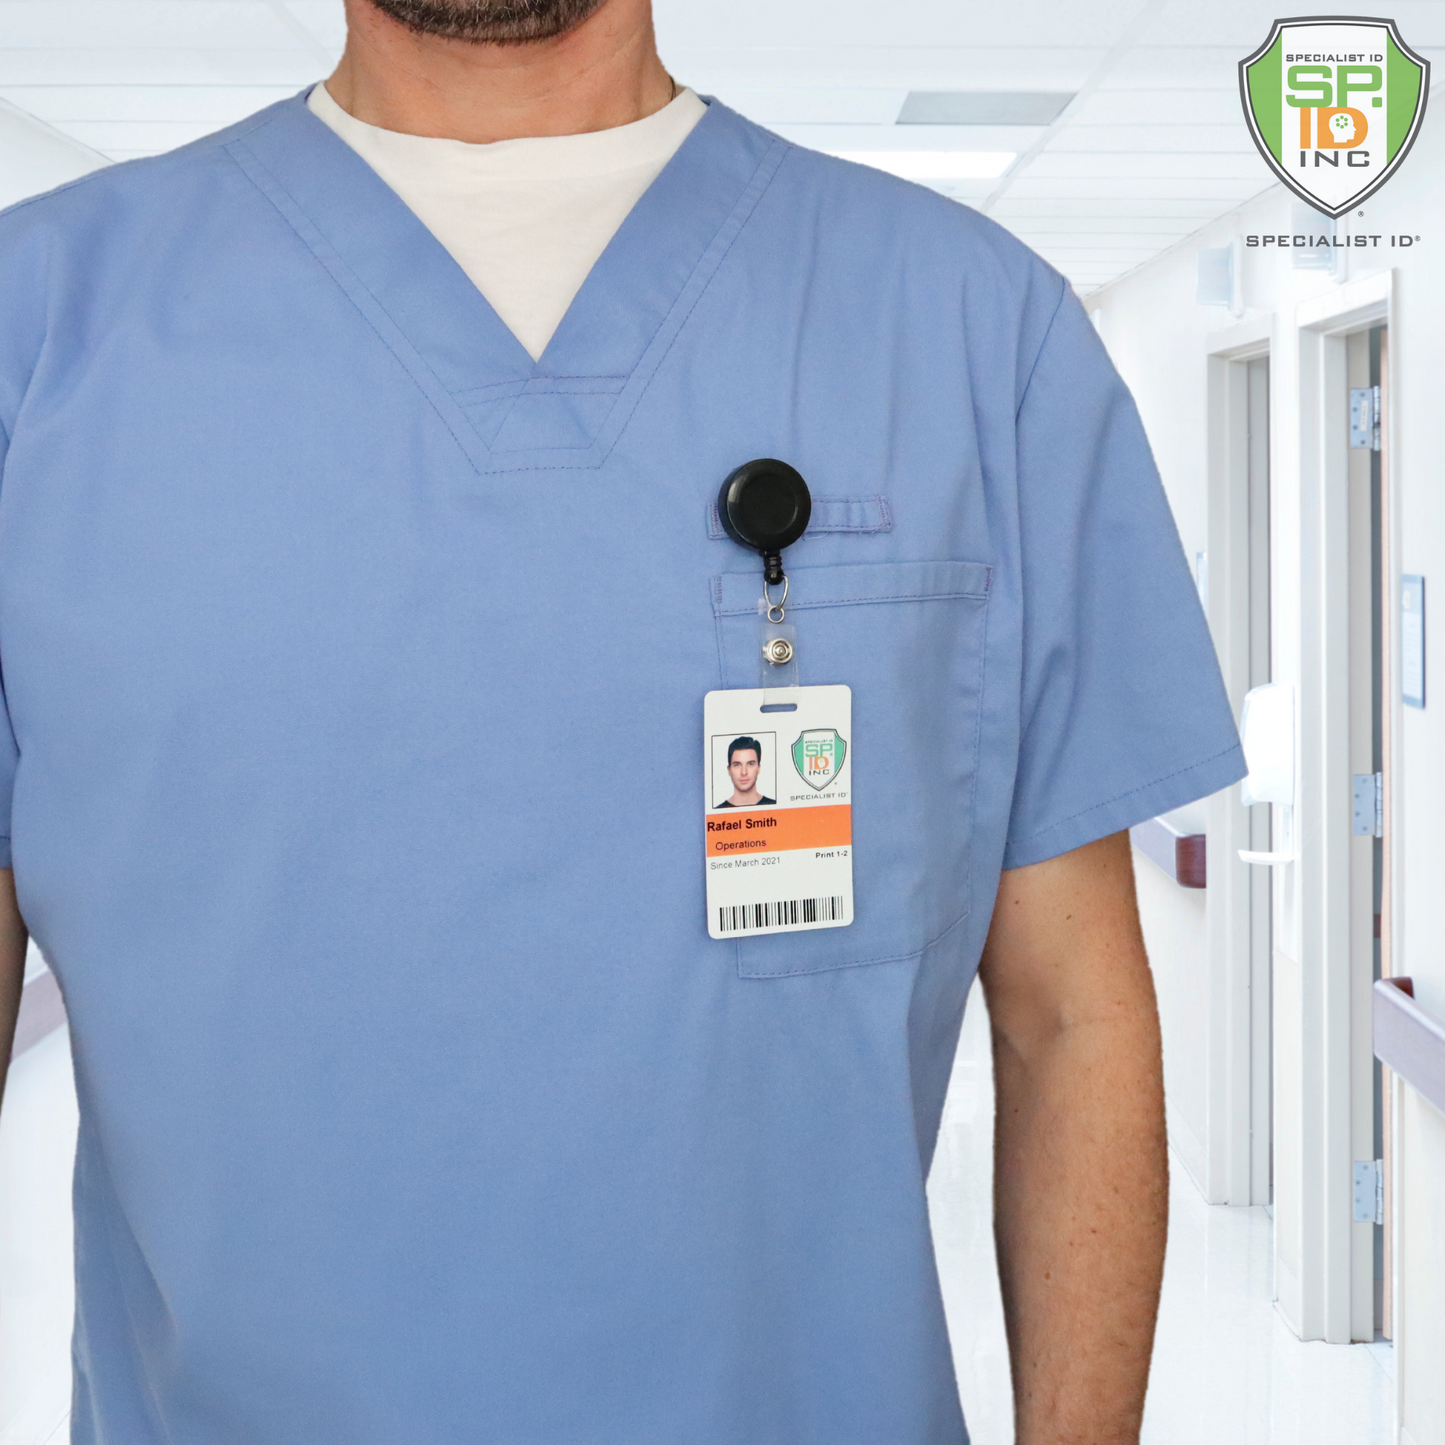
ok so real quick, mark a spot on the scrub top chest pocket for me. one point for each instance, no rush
(908, 638)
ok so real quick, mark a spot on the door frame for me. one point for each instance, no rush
(1233, 1084)
(1327, 1297)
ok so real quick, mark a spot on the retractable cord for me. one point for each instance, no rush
(765, 505)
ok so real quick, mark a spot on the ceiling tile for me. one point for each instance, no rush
(214, 105)
(1224, 192)
(1241, 24)
(1100, 207)
(159, 24)
(1171, 138)
(293, 68)
(144, 137)
(1184, 166)
(907, 68)
(973, 28)
(1165, 67)
(911, 138)
(1218, 105)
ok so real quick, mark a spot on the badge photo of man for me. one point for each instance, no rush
(745, 769)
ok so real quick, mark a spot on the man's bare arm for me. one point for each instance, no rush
(1081, 1183)
(12, 968)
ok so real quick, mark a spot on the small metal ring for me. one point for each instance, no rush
(778, 605)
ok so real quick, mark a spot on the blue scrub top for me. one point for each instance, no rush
(354, 668)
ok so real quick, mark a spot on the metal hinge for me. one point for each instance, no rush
(1367, 814)
(1365, 418)
(1369, 1191)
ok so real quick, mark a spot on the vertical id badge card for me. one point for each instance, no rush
(779, 809)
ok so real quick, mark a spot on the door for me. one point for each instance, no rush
(1261, 880)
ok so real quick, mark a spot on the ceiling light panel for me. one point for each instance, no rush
(813, 105)
(983, 107)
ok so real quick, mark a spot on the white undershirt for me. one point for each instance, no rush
(525, 219)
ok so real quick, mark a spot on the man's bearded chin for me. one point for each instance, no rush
(494, 22)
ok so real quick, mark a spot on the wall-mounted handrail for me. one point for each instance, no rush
(1179, 854)
(1409, 1040)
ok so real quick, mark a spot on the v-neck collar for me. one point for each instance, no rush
(506, 411)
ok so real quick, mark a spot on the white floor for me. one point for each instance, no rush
(37, 1150)
(1226, 1367)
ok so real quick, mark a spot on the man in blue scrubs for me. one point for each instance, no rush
(417, 1110)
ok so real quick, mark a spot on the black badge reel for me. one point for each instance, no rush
(765, 505)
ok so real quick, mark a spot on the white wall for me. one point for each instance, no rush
(1159, 337)
(36, 158)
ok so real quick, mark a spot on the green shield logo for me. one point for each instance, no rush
(1334, 106)
(818, 756)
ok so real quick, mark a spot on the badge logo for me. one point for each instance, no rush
(818, 756)
(1334, 105)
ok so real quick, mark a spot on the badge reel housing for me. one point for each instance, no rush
(765, 505)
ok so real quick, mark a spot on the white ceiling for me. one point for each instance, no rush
(1153, 146)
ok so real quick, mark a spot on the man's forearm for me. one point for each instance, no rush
(13, 939)
(1081, 1175)
(1081, 1208)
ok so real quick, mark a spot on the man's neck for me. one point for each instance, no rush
(605, 73)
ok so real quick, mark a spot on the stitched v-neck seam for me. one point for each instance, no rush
(446, 403)
(542, 386)
(646, 367)
(373, 312)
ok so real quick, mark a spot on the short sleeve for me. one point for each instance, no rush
(22, 328)
(1123, 710)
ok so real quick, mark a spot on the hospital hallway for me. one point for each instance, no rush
(1226, 1366)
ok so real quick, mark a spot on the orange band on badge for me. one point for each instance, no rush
(736, 831)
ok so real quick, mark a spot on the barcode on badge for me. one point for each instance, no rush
(744, 917)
